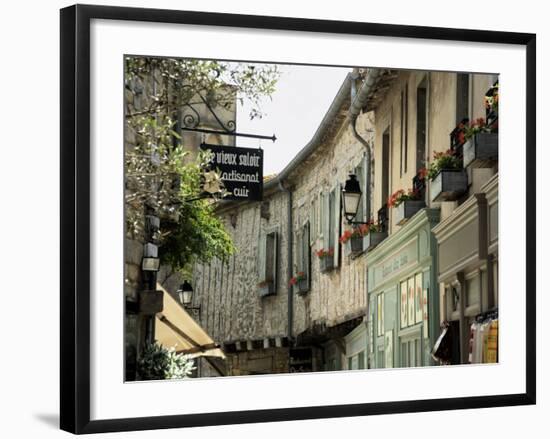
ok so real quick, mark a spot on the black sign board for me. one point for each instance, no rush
(241, 170)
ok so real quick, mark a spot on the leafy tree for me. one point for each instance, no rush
(162, 177)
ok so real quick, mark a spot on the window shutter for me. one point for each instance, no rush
(359, 172)
(275, 258)
(299, 249)
(337, 222)
(306, 252)
(366, 190)
(272, 258)
(311, 224)
(326, 220)
(262, 269)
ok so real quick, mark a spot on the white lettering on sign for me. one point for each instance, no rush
(240, 192)
(237, 176)
(226, 158)
(249, 159)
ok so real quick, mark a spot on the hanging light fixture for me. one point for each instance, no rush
(351, 194)
(185, 292)
(150, 260)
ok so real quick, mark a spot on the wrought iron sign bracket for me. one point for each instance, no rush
(230, 133)
(191, 121)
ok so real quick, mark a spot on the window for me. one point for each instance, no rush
(267, 262)
(473, 292)
(385, 187)
(361, 360)
(303, 251)
(404, 128)
(411, 353)
(462, 97)
(421, 125)
(357, 361)
(380, 308)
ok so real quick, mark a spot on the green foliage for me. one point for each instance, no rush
(162, 177)
(199, 236)
(443, 160)
(159, 363)
(219, 82)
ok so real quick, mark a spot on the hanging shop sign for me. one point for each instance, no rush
(241, 170)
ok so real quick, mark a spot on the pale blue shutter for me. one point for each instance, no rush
(337, 222)
(306, 252)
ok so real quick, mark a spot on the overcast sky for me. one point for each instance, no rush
(302, 97)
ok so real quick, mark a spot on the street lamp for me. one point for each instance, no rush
(150, 260)
(351, 194)
(185, 293)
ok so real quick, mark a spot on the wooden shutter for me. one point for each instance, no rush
(272, 257)
(312, 222)
(299, 249)
(326, 219)
(306, 250)
(337, 222)
(262, 269)
(366, 190)
(359, 172)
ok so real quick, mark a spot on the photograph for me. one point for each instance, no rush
(284, 218)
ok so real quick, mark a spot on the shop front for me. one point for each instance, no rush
(403, 316)
(468, 266)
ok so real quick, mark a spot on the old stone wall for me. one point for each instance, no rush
(258, 361)
(338, 294)
(231, 307)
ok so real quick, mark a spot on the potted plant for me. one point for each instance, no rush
(480, 149)
(300, 281)
(266, 287)
(406, 203)
(157, 362)
(326, 260)
(353, 239)
(374, 236)
(448, 179)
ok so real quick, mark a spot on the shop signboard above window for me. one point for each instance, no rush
(241, 170)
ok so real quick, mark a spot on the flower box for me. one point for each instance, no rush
(481, 150)
(354, 246)
(266, 288)
(449, 185)
(373, 239)
(407, 209)
(326, 263)
(302, 285)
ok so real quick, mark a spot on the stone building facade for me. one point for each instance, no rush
(380, 306)
(305, 327)
(141, 94)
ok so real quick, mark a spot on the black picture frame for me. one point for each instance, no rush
(75, 217)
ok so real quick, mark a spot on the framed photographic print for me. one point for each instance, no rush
(245, 200)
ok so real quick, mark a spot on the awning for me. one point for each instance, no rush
(174, 327)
